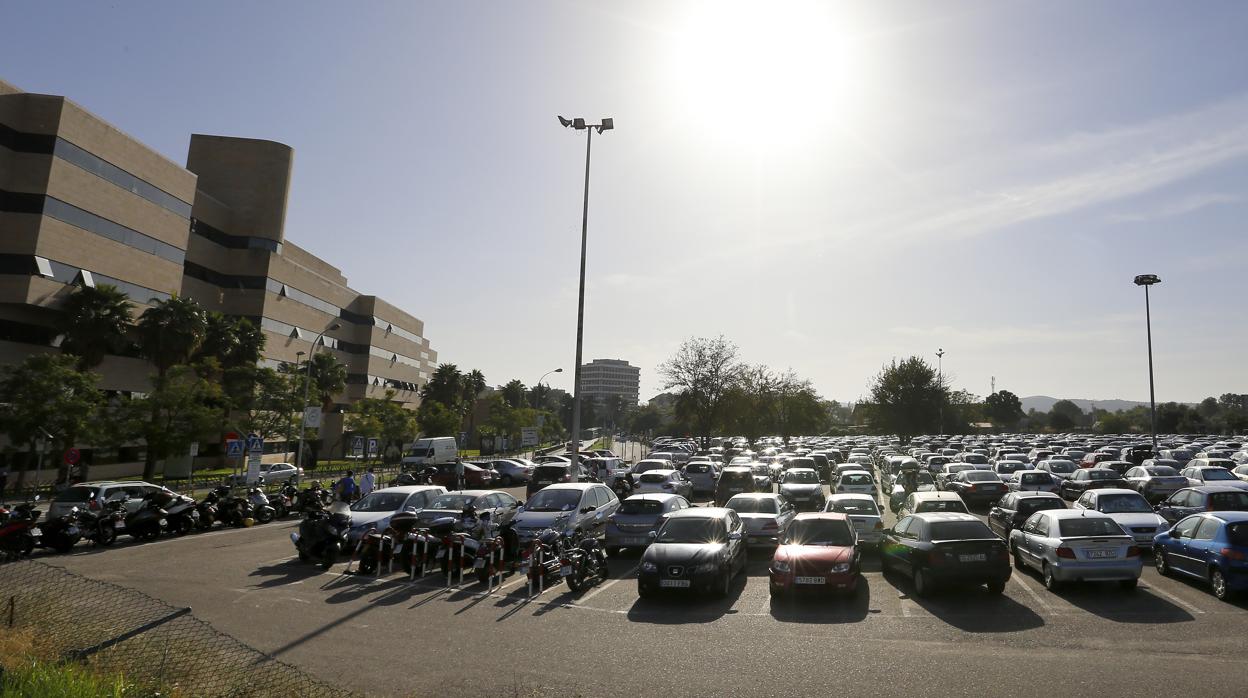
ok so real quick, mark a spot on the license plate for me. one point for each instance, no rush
(674, 583)
(565, 571)
(478, 564)
(119, 525)
(810, 580)
(1098, 554)
(979, 557)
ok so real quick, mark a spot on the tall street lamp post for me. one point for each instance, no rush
(307, 381)
(580, 125)
(539, 385)
(1147, 280)
(940, 381)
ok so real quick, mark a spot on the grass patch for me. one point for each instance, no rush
(49, 680)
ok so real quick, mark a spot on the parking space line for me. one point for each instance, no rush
(1173, 598)
(606, 585)
(1033, 593)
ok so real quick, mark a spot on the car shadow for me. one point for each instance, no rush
(681, 607)
(1111, 602)
(971, 609)
(824, 607)
(282, 573)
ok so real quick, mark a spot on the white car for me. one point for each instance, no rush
(664, 482)
(1129, 509)
(652, 464)
(1212, 475)
(766, 516)
(856, 482)
(863, 512)
(1033, 481)
(1059, 468)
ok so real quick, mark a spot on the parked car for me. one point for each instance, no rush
(977, 487)
(1210, 547)
(469, 509)
(1076, 545)
(474, 475)
(924, 483)
(864, 514)
(1194, 500)
(1061, 469)
(1016, 507)
(855, 482)
(945, 548)
(703, 476)
(510, 472)
(91, 496)
(670, 481)
(819, 551)
(653, 463)
(926, 502)
(1033, 481)
(1005, 468)
(1128, 509)
(696, 549)
(271, 474)
(546, 474)
(803, 488)
(639, 515)
(766, 516)
(1212, 475)
(1089, 479)
(578, 508)
(375, 509)
(734, 481)
(1155, 481)
(947, 471)
(762, 477)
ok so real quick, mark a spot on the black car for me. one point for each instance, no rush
(977, 486)
(1090, 479)
(733, 481)
(1015, 507)
(1194, 500)
(550, 473)
(803, 488)
(945, 548)
(695, 550)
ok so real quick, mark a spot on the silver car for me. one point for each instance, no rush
(1033, 481)
(631, 524)
(1129, 509)
(567, 507)
(1068, 545)
(92, 495)
(703, 475)
(1057, 467)
(766, 516)
(1155, 482)
(863, 512)
(660, 481)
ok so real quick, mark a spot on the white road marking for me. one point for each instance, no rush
(1173, 598)
(604, 586)
(1032, 592)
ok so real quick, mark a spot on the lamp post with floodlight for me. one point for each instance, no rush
(307, 381)
(1147, 280)
(536, 393)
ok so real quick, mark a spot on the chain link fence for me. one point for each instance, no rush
(115, 630)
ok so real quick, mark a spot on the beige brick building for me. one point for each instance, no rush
(83, 203)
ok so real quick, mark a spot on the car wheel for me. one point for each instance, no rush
(1018, 560)
(1050, 580)
(644, 593)
(1160, 562)
(922, 585)
(1129, 584)
(1218, 581)
(505, 481)
(996, 588)
(722, 591)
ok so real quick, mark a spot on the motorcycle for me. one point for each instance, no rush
(587, 560)
(180, 511)
(209, 508)
(542, 560)
(147, 522)
(62, 534)
(622, 487)
(314, 498)
(283, 501)
(262, 512)
(322, 534)
(232, 509)
(101, 526)
(18, 533)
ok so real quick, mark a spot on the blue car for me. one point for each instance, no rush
(1211, 546)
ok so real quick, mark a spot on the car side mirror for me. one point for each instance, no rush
(653, 535)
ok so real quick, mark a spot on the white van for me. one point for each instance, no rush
(434, 451)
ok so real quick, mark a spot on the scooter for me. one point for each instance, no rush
(18, 533)
(322, 534)
(62, 534)
(180, 511)
(283, 501)
(208, 508)
(147, 522)
(261, 511)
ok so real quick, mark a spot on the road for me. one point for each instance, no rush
(391, 637)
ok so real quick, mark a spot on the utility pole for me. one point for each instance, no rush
(940, 380)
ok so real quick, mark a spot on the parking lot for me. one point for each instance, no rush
(390, 636)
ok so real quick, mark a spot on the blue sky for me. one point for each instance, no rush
(830, 185)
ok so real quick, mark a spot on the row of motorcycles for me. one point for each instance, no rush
(416, 545)
(161, 512)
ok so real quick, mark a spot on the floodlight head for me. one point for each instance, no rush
(1147, 280)
(565, 122)
(558, 370)
(607, 124)
(578, 123)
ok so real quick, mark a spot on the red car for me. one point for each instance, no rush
(818, 552)
(475, 477)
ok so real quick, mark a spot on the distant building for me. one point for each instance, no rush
(601, 378)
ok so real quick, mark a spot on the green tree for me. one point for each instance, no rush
(446, 387)
(329, 378)
(648, 419)
(273, 406)
(515, 394)
(797, 407)
(1069, 415)
(906, 398)
(1003, 409)
(436, 419)
(183, 408)
(94, 322)
(702, 370)
(1113, 423)
(46, 395)
(170, 333)
(384, 419)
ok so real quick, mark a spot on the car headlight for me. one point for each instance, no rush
(781, 566)
(649, 567)
(841, 568)
(705, 567)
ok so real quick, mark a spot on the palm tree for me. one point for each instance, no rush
(514, 393)
(171, 331)
(445, 386)
(329, 377)
(94, 322)
(473, 385)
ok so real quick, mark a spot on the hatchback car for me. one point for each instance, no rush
(1016, 507)
(1129, 509)
(1212, 475)
(1155, 481)
(926, 502)
(855, 482)
(511, 472)
(864, 514)
(670, 481)
(631, 524)
(1194, 500)
(575, 508)
(977, 487)
(1211, 547)
(733, 481)
(1058, 468)
(546, 474)
(1076, 545)
(766, 516)
(942, 548)
(819, 552)
(802, 488)
(696, 550)
(703, 476)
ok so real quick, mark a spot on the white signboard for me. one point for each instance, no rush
(528, 436)
(312, 417)
(255, 452)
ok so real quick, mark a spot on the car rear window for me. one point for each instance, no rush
(698, 468)
(1102, 474)
(1088, 527)
(1034, 478)
(636, 507)
(1161, 471)
(1228, 501)
(982, 476)
(753, 505)
(856, 479)
(941, 505)
(548, 472)
(855, 506)
(77, 494)
(1031, 506)
(959, 530)
(654, 477)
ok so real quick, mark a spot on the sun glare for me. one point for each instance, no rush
(766, 73)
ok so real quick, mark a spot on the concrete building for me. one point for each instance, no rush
(83, 203)
(601, 378)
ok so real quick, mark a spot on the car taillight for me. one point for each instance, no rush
(1066, 553)
(1233, 554)
(1133, 551)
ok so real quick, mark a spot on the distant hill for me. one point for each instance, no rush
(1044, 403)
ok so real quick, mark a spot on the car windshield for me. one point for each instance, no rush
(1061, 466)
(692, 530)
(856, 479)
(1008, 467)
(651, 465)
(1032, 505)
(549, 472)
(981, 476)
(451, 502)
(1122, 504)
(1211, 474)
(941, 505)
(1101, 474)
(698, 468)
(1035, 478)
(753, 505)
(1228, 501)
(380, 501)
(654, 477)
(801, 477)
(553, 500)
(1161, 470)
(959, 530)
(924, 478)
(640, 507)
(1082, 526)
(854, 506)
(77, 494)
(818, 532)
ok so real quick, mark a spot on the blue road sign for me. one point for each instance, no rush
(255, 444)
(233, 448)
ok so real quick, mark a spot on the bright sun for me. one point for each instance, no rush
(766, 72)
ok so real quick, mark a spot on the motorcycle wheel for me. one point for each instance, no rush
(183, 526)
(106, 536)
(148, 533)
(576, 581)
(330, 557)
(279, 511)
(368, 564)
(205, 522)
(264, 516)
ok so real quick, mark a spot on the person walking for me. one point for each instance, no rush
(459, 473)
(368, 482)
(346, 488)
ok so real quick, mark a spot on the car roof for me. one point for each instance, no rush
(737, 469)
(571, 486)
(411, 489)
(1027, 494)
(1229, 516)
(934, 516)
(653, 497)
(755, 495)
(801, 470)
(852, 495)
(1116, 490)
(659, 471)
(700, 513)
(472, 493)
(817, 515)
(918, 496)
(1214, 488)
(1075, 513)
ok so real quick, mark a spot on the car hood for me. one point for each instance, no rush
(799, 488)
(1138, 519)
(830, 554)
(681, 553)
(362, 520)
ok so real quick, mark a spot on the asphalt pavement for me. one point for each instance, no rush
(388, 636)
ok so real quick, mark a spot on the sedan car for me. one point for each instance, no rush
(1193, 500)
(864, 515)
(270, 473)
(1089, 479)
(1033, 481)
(1076, 545)
(374, 510)
(1005, 468)
(697, 549)
(1058, 468)
(631, 524)
(473, 510)
(703, 476)
(1016, 507)
(511, 472)
(736, 480)
(1155, 481)
(818, 552)
(474, 475)
(1129, 509)
(1212, 475)
(802, 488)
(568, 507)
(766, 516)
(546, 474)
(670, 481)
(1211, 547)
(924, 502)
(977, 487)
(942, 548)
(855, 482)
